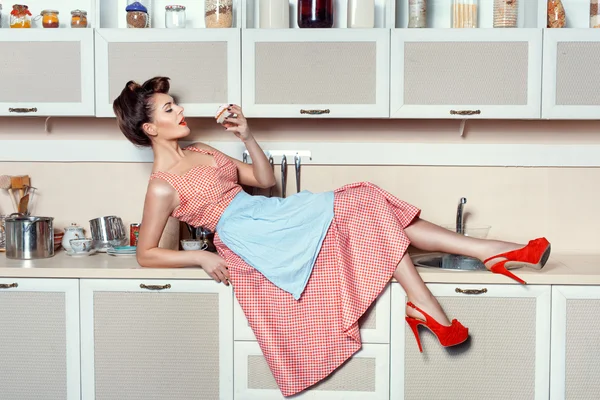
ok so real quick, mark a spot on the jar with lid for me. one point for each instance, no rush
(79, 19)
(315, 13)
(50, 19)
(417, 13)
(20, 16)
(137, 15)
(464, 13)
(175, 16)
(506, 13)
(218, 13)
(594, 14)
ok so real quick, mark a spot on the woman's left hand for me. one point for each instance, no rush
(238, 124)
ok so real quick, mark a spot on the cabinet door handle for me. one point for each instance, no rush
(470, 291)
(465, 112)
(8, 285)
(155, 287)
(315, 112)
(22, 110)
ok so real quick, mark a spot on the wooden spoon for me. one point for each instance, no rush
(5, 183)
(23, 204)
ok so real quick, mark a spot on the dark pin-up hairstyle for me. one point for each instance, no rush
(134, 108)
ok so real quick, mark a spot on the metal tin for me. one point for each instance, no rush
(29, 238)
(134, 233)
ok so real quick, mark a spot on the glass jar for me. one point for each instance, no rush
(594, 14)
(50, 19)
(0, 15)
(464, 13)
(417, 13)
(2, 233)
(20, 16)
(361, 13)
(556, 14)
(175, 17)
(218, 13)
(137, 15)
(506, 13)
(274, 14)
(79, 19)
(315, 13)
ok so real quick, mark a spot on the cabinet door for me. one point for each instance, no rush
(39, 339)
(454, 73)
(296, 73)
(374, 324)
(365, 376)
(506, 355)
(47, 72)
(203, 64)
(156, 340)
(571, 89)
(575, 343)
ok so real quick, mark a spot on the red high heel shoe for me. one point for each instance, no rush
(447, 335)
(534, 255)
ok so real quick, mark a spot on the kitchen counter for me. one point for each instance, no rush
(561, 269)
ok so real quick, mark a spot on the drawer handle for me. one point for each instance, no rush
(315, 112)
(471, 291)
(155, 287)
(22, 110)
(465, 112)
(8, 285)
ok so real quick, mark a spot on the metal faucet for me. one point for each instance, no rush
(460, 227)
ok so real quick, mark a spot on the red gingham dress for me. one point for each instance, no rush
(304, 341)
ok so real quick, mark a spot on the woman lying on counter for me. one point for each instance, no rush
(304, 268)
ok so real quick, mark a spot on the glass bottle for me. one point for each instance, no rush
(417, 13)
(175, 17)
(315, 13)
(218, 13)
(506, 13)
(20, 16)
(361, 13)
(79, 19)
(464, 13)
(137, 15)
(594, 14)
(50, 19)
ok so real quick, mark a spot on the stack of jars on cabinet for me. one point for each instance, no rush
(21, 17)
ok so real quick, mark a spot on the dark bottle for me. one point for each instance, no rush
(315, 13)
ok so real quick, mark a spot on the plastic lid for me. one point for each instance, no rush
(79, 12)
(175, 8)
(136, 6)
(49, 12)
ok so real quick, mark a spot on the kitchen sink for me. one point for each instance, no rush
(449, 262)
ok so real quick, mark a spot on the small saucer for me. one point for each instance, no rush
(73, 254)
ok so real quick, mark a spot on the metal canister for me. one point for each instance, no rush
(134, 233)
(29, 238)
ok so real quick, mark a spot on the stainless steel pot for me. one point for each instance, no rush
(29, 238)
(108, 231)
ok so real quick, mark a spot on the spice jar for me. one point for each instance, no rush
(175, 16)
(594, 14)
(464, 14)
(49, 18)
(417, 13)
(218, 13)
(506, 13)
(556, 14)
(315, 13)
(137, 15)
(79, 19)
(20, 16)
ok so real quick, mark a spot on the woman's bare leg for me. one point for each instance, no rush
(430, 237)
(416, 291)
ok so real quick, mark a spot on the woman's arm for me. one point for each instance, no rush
(161, 200)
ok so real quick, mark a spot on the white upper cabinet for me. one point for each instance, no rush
(335, 73)
(203, 64)
(466, 73)
(571, 60)
(47, 72)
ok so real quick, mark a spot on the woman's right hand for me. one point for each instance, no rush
(215, 266)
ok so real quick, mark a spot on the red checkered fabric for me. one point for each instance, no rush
(304, 341)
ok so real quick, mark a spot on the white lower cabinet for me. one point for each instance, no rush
(575, 365)
(155, 339)
(506, 356)
(39, 339)
(365, 376)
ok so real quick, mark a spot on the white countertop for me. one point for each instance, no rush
(561, 269)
